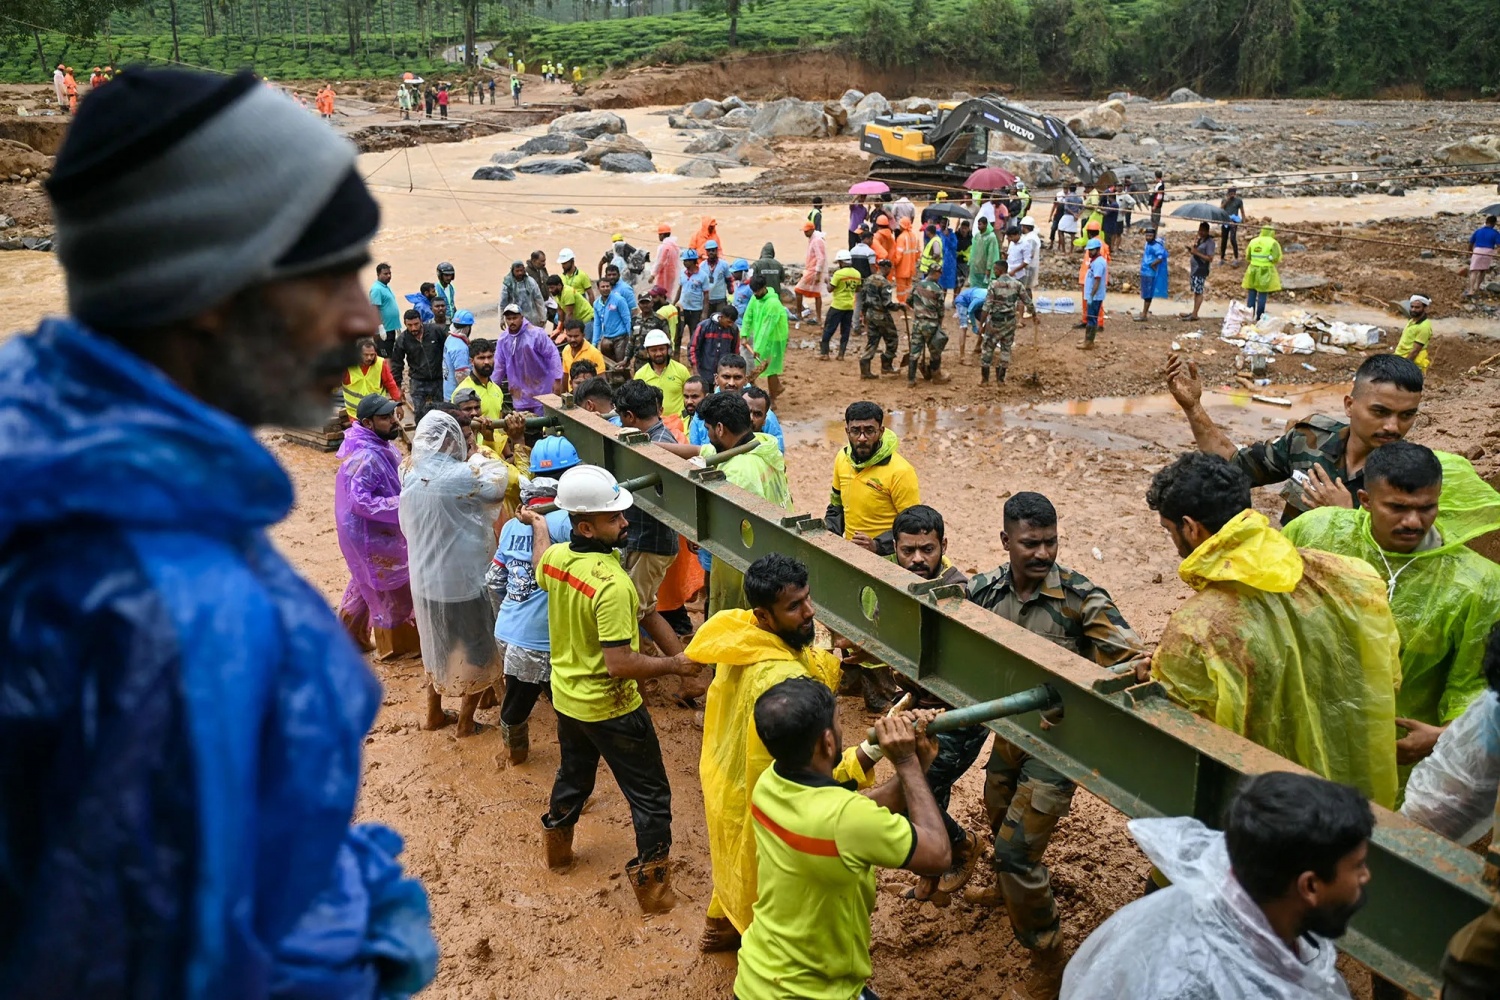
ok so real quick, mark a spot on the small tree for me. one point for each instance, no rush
(880, 34)
(1091, 41)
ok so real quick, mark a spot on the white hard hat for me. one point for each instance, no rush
(842, 255)
(564, 255)
(1029, 221)
(657, 338)
(588, 489)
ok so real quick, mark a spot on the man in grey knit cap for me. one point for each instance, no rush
(181, 715)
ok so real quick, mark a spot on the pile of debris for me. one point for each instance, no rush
(1294, 332)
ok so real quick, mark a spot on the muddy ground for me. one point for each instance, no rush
(1086, 429)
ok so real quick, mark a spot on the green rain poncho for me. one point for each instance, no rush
(1293, 649)
(1445, 599)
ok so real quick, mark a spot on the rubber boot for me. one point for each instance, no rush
(938, 375)
(841, 353)
(1044, 982)
(984, 375)
(652, 882)
(718, 935)
(911, 373)
(887, 365)
(1088, 338)
(517, 741)
(999, 374)
(864, 369)
(558, 842)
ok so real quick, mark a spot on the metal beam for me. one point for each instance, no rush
(1124, 742)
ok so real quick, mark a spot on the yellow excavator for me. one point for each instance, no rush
(945, 147)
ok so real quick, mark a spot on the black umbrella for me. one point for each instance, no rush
(1491, 209)
(945, 209)
(1201, 211)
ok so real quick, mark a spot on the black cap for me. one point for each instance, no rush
(374, 405)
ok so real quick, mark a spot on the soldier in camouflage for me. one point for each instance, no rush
(1023, 797)
(1005, 293)
(927, 328)
(876, 305)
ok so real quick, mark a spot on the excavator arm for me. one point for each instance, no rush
(918, 140)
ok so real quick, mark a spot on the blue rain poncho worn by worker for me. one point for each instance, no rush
(181, 714)
(1445, 597)
(1452, 791)
(1203, 936)
(449, 503)
(1294, 649)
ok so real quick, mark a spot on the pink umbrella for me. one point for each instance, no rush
(870, 187)
(989, 179)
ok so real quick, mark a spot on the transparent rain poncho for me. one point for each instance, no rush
(448, 509)
(1453, 791)
(1202, 937)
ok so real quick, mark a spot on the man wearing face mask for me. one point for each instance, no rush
(1255, 908)
(1417, 511)
(1023, 797)
(753, 650)
(177, 785)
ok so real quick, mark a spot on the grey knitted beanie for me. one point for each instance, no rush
(175, 190)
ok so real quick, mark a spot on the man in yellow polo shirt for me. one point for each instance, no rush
(1417, 334)
(818, 844)
(571, 304)
(578, 349)
(872, 483)
(592, 626)
(491, 398)
(663, 372)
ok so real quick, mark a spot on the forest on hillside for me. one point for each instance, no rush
(1350, 48)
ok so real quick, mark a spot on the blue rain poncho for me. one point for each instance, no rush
(181, 715)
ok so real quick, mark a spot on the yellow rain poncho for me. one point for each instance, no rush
(1262, 254)
(750, 661)
(1445, 599)
(1293, 649)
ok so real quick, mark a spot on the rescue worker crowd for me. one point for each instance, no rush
(184, 718)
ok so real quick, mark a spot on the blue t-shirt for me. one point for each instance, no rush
(718, 279)
(694, 288)
(628, 294)
(1486, 238)
(455, 363)
(522, 620)
(611, 318)
(697, 431)
(742, 293)
(382, 298)
(1098, 275)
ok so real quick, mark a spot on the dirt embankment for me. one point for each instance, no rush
(811, 76)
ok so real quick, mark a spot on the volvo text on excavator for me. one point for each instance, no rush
(944, 148)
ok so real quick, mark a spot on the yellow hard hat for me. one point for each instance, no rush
(942, 196)
(617, 238)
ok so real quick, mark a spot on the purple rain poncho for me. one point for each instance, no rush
(366, 502)
(530, 363)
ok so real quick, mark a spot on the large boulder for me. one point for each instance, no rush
(869, 108)
(627, 163)
(588, 124)
(1126, 97)
(1036, 169)
(738, 118)
(606, 144)
(752, 151)
(851, 97)
(1474, 149)
(918, 105)
(494, 174)
(733, 103)
(551, 167)
(791, 117)
(1099, 122)
(700, 166)
(554, 143)
(704, 110)
(679, 122)
(508, 158)
(839, 116)
(710, 142)
(1183, 95)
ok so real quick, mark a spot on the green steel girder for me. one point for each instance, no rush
(1125, 743)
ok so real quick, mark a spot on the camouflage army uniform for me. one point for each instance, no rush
(1024, 797)
(1005, 292)
(1471, 968)
(1317, 441)
(876, 305)
(926, 327)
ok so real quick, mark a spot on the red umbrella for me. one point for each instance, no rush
(989, 179)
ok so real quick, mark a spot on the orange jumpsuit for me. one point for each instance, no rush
(325, 101)
(70, 87)
(884, 245)
(1083, 274)
(708, 229)
(904, 267)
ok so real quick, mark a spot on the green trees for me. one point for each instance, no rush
(1091, 41)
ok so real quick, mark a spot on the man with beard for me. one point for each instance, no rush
(872, 483)
(576, 349)
(762, 417)
(752, 651)
(371, 375)
(366, 499)
(522, 289)
(663, 372)
(594, 632)
(525, 361)
(419, 354)
(487, 425)
(1270, 622)
(1320, 459)
(1252, 911)
(178, 780)
(1023, 797)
